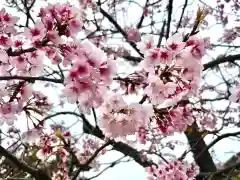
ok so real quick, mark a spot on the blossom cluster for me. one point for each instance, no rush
(168, 76)
(53, 145)
(120, 119)
(89, 76)
(88, 148)
(174, 170)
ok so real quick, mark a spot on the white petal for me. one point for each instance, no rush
(3, 56)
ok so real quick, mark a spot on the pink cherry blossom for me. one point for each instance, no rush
(5, 41)
(174, 170)
(19, 62)
(75, 26)
(35, 57)
(133, 35)
(146, 43)
(8, 113)
(118, 121)
(26, 91)
(4, 56)
(54, 37)
(36, 69)
(175, 43)
(71, 91)
(235, 94)
(155, 90)
(36, 33)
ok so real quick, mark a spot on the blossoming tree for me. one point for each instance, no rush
(78, 80)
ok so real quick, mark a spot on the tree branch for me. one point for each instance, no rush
(37, 174)
(91, 159)
(219, 138)
(197, 144)
(181, 17)
(30, 79)
(142, 17)
(161, 35)
(97, 132)
(118, 27)
(220, 60)
(218, 174)
(170, 7)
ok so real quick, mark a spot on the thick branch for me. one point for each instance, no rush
(218, 175)
(19, 52)
(219, 138)
(220, 60)
(197, 144)
(37, 174)
(30, 79)
(211, 64)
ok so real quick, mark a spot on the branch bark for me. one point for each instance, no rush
(220, 60)
(37, 174)
(119, 28)
(197, 144)
(30, 79)
(218, 175)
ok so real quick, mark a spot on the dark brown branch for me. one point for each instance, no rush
(10, 52)
(219, 138)
(169, 8)
(133, 59)
(182, 14)
(30, 79)
(197, 144)
(91, 159)
(142, 17)
(37, 174)
(220, 60)
(118, 146)
(19, 52)
(218, 175)
(161, 34)
(118, 27)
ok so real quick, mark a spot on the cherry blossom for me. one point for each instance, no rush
(4, 56)
(146, 43)
(5, 41)
(235, 94)
(8, 113)
(116, 113)
(175, 43)
(7, 18)
(174, 170)
(35, 33)
(31, 135)
(19, 62)
(88, 76)
(133, 35)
